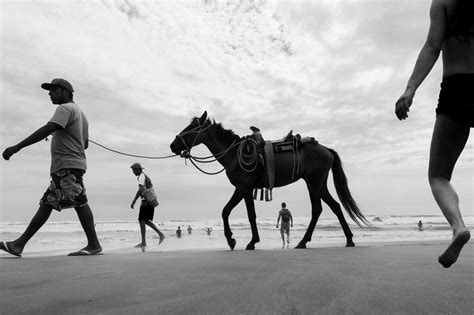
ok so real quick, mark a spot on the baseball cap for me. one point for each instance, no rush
(58, 83)
(137, 165)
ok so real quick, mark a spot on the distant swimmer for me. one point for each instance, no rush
(286, 218)
(190, 229)
(178, 232)
(420, 226)
(377, 219)
(209, 230)
(145, 216)
(451, 33)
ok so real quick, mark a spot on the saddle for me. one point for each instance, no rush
(288, 143)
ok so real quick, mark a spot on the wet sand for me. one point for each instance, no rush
(379, 279)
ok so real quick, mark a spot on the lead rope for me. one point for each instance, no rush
(245, 160)
(134, 155)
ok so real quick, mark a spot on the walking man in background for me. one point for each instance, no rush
(286, 218)
(147, 212)
(70, 135)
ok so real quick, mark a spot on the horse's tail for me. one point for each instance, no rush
(342, 189)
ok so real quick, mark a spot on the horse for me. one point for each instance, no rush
(315, 162)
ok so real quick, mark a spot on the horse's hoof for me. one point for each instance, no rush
(250, 247)
(350, 244)
(300, 246)
(231, 243)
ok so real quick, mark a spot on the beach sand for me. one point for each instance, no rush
(376, 279)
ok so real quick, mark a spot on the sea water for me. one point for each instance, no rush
(61, 237)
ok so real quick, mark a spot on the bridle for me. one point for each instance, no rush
(247, 162)
(200, 128)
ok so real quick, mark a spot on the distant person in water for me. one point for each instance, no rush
(208, 230)
(452, 32)
(178, 232)
(190, 229)
(286, 221)
(420, 226)
(145, 216)
(70, 138)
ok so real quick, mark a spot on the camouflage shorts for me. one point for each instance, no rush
(66, 190)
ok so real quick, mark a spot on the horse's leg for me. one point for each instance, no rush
(316, 209)
(336, 208)
(234, 200)
(252, 219)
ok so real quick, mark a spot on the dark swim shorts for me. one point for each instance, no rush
(285, 227)
(66, 190)
(146, 213)
(456, 98)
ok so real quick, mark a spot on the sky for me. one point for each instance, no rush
(142, 69)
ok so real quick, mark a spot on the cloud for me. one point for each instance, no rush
(328, 69)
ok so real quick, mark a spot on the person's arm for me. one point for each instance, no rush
(141, 188)
(36, 136)
(291, 218)
(137, 195)
(426, 58)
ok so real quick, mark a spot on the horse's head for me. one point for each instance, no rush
(190, 136)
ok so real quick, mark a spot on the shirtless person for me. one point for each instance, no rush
(286, 217)
(452, 32)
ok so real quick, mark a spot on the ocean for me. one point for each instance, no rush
(63, 237)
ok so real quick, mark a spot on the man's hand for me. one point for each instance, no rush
(7, 154)
(133, 204)
(277, 226)
(402, 106)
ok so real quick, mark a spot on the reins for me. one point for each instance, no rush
(208, 159)
(247, 162)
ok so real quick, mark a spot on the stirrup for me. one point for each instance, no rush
(268, 195)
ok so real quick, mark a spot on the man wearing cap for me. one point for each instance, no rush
(69, 130)
(146, 213)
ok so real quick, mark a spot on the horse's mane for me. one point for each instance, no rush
(225, 134)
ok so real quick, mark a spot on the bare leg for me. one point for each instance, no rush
(448, 141)
(87, 221)
(153, 226)
(143, 233)
(40, 218)
(282, 238)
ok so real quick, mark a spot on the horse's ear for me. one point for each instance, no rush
(203, 117)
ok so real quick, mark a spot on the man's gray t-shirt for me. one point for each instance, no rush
(68, 144)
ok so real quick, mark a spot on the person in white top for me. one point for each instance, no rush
(146, 213)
